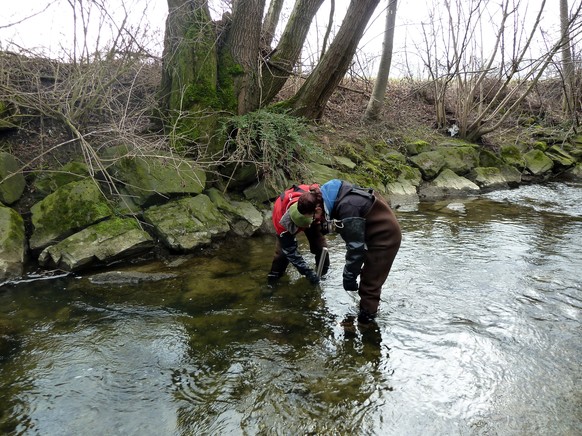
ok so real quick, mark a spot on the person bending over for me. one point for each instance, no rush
(370, 230)
(288, 222)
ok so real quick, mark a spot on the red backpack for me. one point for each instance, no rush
(285, 200)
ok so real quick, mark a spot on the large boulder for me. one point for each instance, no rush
(12, 181)
(69, 209)
(574, 173)
(154, 179)
(104, 242)
(12, 243)
(48, 182)
(402, 194)
(262, 192)
(318, 173)
(448, 184)
(460, 160)
(430, 163)
(537, 163)
(488, 178)
(186, 224)
(512, 155)
(244, 218)
(562, 159)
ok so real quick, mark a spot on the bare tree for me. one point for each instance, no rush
(279, 66)
(376, 102)
(488, 89)
(312, 97)
(270, 24)
(569, 102)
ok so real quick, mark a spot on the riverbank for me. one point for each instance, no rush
(74, 203)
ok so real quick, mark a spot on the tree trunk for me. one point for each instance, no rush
(312, 97)
(240, 55)
(376, 102)
(567, 64)
(279, 66)
(189, 68)
(270, 25)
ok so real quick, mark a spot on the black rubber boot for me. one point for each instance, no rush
(365, 317)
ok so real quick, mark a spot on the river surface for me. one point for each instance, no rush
(479, 333)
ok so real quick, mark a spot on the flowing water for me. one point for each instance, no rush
(479, 334)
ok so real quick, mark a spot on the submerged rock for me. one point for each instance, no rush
(128, 277)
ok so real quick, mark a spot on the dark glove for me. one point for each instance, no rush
(350, 285)
(312, 277)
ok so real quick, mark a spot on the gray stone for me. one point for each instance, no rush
(154, 179)
(430, 163)
(128, 277)
(186, 224)
(67, 210)
(12, 181)
(244, 218)
(448, 184)
(489, 178)
(12, 243)
(344, 163)
(537, 163)
(103, 242)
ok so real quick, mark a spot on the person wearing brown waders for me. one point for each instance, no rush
(288, 222)
(371, 233)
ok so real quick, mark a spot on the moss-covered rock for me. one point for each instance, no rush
(430, 163)
(66, 211)
(408, 174)
(344, 163)
(48, 182)
(489, 159)
(537, 163)
(318, 173)
(104, 242)
(186, 224)
(460, 160)
(512, 155)
(416, 147)
(153, 179)
(488, 178)
(511, 175)
(262, 191)
(12, 181)
(12, 243)
(448, 184)
(561, 158)
(244, 218)
(574, 173)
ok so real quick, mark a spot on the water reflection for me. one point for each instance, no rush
(478, 333)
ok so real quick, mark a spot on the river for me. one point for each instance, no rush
(479, 333)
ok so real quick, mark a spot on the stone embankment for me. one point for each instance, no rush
(138, 204)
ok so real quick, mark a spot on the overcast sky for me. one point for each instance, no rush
(51, 29)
